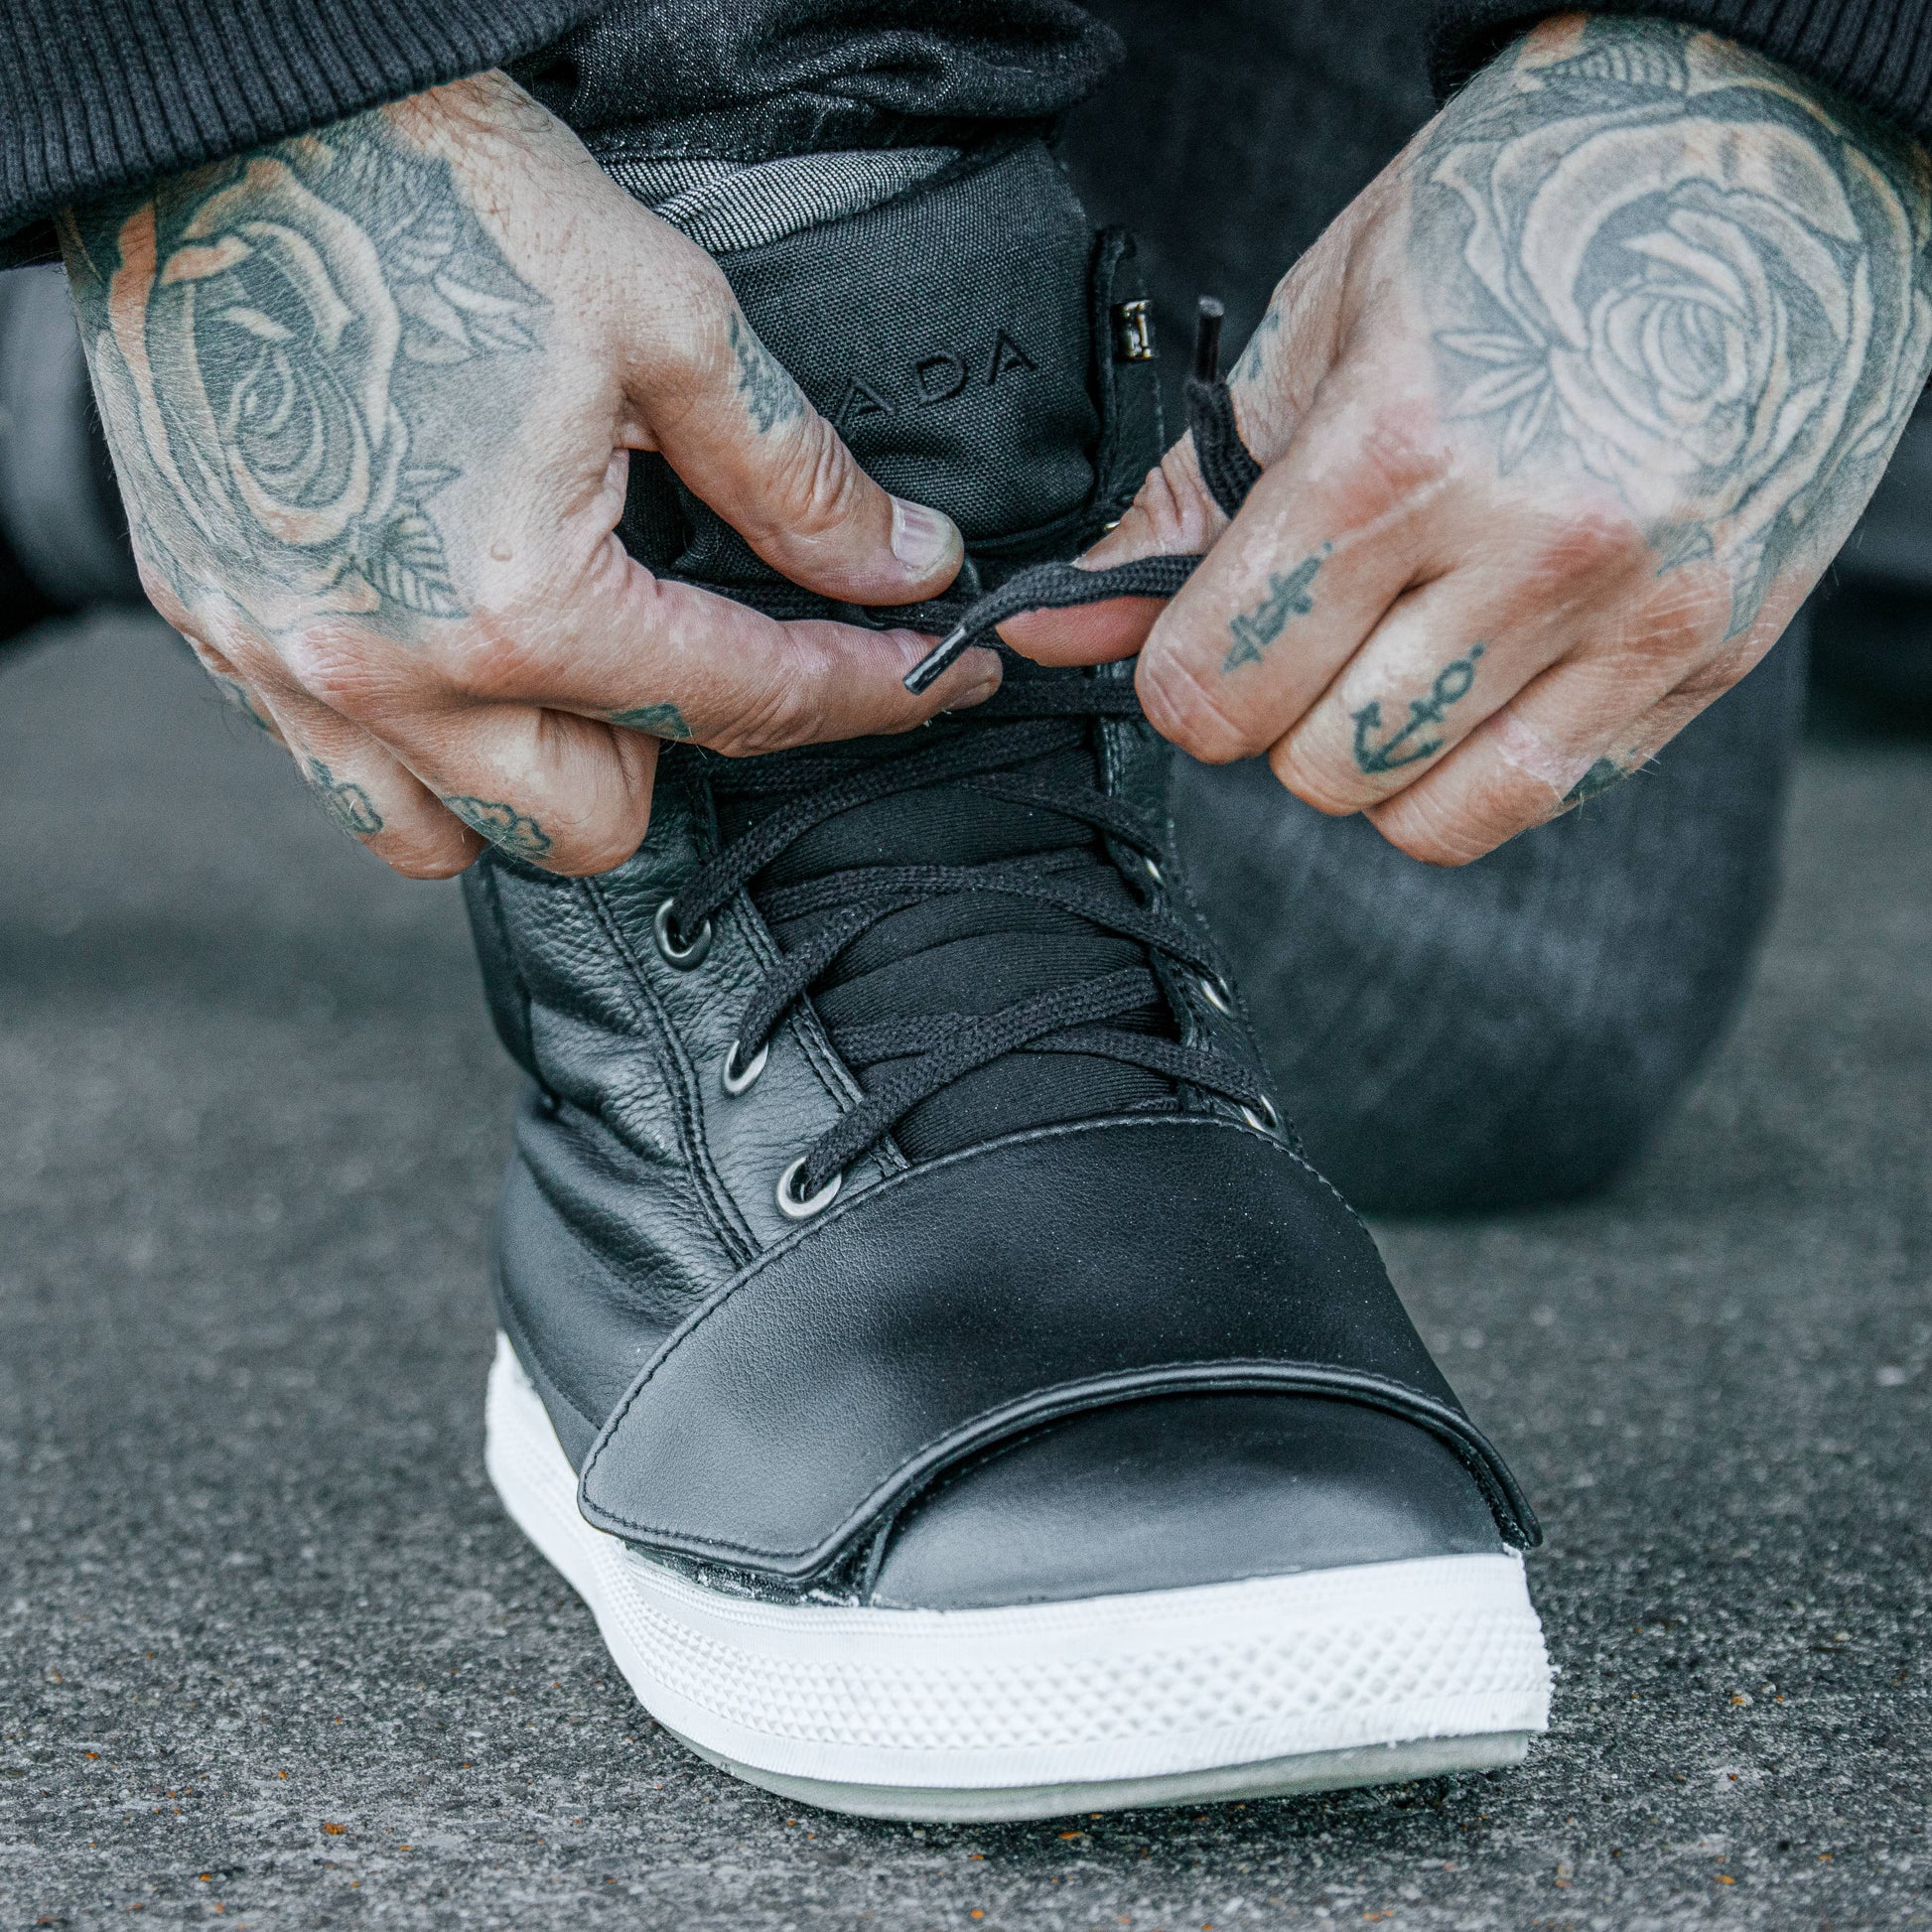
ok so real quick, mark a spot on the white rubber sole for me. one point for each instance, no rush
(1277, 1684)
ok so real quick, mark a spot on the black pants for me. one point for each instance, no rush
(1510, 1032)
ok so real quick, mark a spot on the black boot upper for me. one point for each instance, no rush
(898, 1171)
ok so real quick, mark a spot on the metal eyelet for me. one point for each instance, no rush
(1268, 1121)
(1217, 993)
(794, 1209)
(683, 957)
(737, 1078)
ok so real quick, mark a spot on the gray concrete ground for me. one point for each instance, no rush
(272, 1656)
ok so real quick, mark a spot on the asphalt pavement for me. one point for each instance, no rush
(271, 1656)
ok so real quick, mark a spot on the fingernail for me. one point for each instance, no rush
(976, 694)
(922, 539)
(980, 689)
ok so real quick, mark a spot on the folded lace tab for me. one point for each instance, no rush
(1227, 469)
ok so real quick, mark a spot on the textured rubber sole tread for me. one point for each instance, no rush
(1316, 1681)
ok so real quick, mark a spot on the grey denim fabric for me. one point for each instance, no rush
(729, 204)
(1513, 1030)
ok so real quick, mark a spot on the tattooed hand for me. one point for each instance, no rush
(372, 394)
(1561, 420)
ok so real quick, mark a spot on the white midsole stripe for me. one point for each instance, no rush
(1107, 1687)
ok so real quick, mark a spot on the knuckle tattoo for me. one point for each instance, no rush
(1599, 778)
(663, 720)
(1380, 750)
(506, 828)
(1252, 363)
(1290, 595)
(345, 803)
(243, 701)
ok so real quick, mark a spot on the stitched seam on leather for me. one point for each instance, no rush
(1410, 1404)
(713, 1197)
(1171, 1123)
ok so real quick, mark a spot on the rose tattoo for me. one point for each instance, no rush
(1661, 256)
(275, 326)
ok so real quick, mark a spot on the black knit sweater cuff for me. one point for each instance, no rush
(1877, 53)
(124, 91)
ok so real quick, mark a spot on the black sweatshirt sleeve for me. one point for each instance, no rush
(1877, 53)
(99, 94)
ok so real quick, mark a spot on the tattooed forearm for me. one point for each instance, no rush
(1405, 745)
(770, 393)
(1288, 595)
(1661, 259)
(287, 350)
(348, 804)
(659, 719)
(503, 825)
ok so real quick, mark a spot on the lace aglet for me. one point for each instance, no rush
(932, 667)
(1208, 339)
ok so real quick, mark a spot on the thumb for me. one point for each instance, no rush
(1171, 516)
(740, 433)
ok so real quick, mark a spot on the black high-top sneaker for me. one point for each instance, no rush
(925, 1347)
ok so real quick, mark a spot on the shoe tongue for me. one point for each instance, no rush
(967, 953)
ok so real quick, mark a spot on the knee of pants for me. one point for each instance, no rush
(1515, 1031)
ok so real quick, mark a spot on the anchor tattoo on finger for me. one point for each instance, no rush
(1400, 748)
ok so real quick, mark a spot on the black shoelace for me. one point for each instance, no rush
(1227, 469)
(1028, 719)
(1024, 720)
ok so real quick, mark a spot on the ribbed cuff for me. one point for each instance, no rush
(103, 94)
(1877, 53)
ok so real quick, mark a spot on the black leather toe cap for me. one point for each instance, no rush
(1191, 1490)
